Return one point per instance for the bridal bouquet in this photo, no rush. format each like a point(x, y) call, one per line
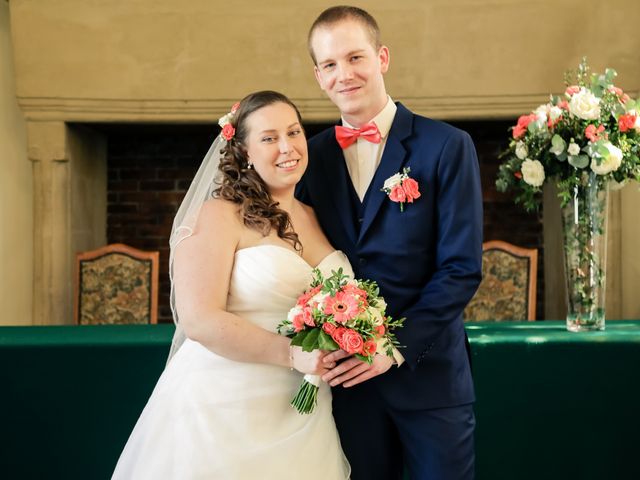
point(338, 313)
point(591, 130)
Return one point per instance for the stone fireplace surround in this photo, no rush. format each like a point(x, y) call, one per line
point(79, 65)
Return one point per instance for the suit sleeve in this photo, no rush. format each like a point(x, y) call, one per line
point(458, 251)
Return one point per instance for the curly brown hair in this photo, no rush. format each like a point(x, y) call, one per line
point(242, 185)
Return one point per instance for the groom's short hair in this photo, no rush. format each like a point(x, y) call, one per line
point(333, 15)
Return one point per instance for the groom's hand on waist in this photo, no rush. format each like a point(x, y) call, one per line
point(352, 371)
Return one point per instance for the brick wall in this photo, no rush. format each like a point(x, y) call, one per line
point(150, 168)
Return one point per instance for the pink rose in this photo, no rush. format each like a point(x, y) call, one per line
point(298, 322)
point(379, 330)
point(564, 105)
point(626, 122)
point(398, 194)
point(411, 189)
point(351, 341)
point(523, 122)
point(228, 132)
point(616, 91)
point(329, 328)
point(593, 133)
point(369, 348)
point(572, 90)
point(337, 335)
point(305, 297)
point(308, 317)
point(235, 107)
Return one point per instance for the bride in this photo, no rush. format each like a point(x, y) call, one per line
point(221, 408)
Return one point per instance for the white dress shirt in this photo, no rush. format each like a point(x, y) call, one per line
point(363, 158)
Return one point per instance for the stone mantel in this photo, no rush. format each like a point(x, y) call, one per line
point(174, 61)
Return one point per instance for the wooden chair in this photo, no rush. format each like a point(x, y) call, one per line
point(508, 287)
point(116, 284)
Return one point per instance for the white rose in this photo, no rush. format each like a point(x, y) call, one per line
point(555, 113)
point(532, 172)
point(225, 119)
point(297, 310)
point(393, 181)
point(541, 114)
point(573, 149)
point(585, 105)
point(521, 150)
point(376, 316)
point(381, 304)
point(319, 298)
point(609, 163)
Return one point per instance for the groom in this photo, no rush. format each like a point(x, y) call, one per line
point(414, 410)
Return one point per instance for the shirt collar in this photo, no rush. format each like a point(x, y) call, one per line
point(383, 120)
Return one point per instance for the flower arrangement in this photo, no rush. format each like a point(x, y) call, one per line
point(338, 313)
point(401, 188)
point(585, 140)
point(593, 127)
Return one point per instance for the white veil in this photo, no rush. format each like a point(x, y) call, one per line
point(204, 183)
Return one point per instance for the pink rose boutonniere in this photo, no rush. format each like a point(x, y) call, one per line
point(401, 188)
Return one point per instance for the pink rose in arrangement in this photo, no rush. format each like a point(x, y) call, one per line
point(351, 341)
point(337, 313)
point(572, 90)
point(305, 297)
point(523, 122)
point(593, 133)
point(626, 122)
point(329, 328)
point(369, 347)
point(235, 107)
point(298, 322)
point(337, 335)
point(411, 189)
point(307, 316)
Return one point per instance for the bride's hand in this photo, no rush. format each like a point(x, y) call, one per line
point(310, 362)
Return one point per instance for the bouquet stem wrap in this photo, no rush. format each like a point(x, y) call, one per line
point(307, 397)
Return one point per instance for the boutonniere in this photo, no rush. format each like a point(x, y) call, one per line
point(401, 188)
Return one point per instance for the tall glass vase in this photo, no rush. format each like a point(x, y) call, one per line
point(584, 220)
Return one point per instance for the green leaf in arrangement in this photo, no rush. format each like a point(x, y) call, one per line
point(310, 342)
point(558, 145)
point(325, 342)
point(299, 338)
point(579, 161)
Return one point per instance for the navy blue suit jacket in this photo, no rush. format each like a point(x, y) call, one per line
point(427, 260)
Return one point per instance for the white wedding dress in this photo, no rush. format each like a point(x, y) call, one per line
point(213, 418)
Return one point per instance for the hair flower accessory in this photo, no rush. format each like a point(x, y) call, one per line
point(401, 188)
point(228, 130)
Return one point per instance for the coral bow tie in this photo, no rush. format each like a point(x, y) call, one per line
point(346, 136)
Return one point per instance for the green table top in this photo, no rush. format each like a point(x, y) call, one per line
point(480, 333)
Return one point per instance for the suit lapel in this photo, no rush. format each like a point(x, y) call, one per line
point(337, 184)
point(393, 159)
